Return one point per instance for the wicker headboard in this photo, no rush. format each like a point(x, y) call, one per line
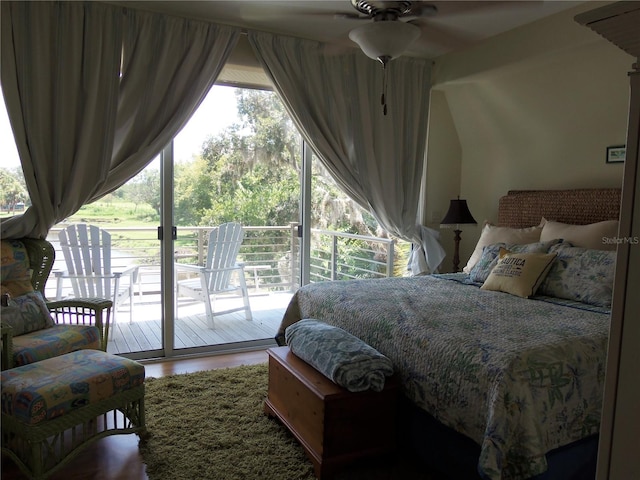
point(524, 208)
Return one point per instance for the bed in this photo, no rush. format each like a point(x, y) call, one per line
point(501, 386)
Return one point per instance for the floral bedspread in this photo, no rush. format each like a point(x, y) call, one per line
point(518, 376)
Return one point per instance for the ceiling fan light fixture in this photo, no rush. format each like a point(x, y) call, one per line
point(384, 40)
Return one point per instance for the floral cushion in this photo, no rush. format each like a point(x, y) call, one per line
point(581, 274)
point(480, 272)
point(26, 313)
point(15, 272)
point(15, 288)
point(52, 342)
point(22, 308)
point(42, 391)
point(14, 261)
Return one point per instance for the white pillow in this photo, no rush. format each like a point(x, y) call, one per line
point(597, 236)
point(492, 234)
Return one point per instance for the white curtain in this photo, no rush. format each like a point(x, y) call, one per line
point(60, 64)
point(377, 159)
point(169, 66)
point(93, 93)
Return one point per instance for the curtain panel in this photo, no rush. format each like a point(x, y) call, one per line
point(60, 64)
point(377, 159)
point(93, 93)
point(169, 65)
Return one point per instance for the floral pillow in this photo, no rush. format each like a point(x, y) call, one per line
point(490, 255)
point(22, 308)
point(14, 261)
point(26, 313)
point(14, 267)
point(581, 274)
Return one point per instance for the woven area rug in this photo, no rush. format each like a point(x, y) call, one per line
point(211, 425)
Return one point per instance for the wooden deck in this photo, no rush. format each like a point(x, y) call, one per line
point(191, 329)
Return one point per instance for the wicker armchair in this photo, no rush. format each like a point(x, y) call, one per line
point(74, 321)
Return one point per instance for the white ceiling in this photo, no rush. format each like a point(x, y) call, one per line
point(457, 24)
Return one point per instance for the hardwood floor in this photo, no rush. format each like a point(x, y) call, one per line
point(116, 457)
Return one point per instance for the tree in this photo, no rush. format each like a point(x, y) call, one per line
point(12, 190)
point(251, 171)
point(146, 189)
point(194, 193)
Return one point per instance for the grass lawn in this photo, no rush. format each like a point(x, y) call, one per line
point(110, 213)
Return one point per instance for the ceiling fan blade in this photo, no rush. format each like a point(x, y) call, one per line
point(296, 10)
point(336, 15)
point(480, 7)
point(350, 16)
point(338, 47)
point(442, 36)
point(421, 9)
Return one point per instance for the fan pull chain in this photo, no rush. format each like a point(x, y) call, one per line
point(383, 99)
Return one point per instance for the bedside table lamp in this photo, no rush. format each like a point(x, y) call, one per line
point(457, 215)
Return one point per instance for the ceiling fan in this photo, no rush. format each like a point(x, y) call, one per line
point(387, 36)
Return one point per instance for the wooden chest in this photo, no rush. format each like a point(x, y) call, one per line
point(334, 426)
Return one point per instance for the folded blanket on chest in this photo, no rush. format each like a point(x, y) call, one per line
point(338, 355)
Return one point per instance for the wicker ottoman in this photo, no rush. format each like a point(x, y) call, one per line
point(54, 408)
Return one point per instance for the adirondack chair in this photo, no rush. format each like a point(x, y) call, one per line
point(87, 254)
point(215, 277)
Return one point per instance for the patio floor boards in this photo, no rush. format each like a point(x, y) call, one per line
point(191, 327)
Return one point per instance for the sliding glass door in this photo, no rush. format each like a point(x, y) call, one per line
point(238, 160)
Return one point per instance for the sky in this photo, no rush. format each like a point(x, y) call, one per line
point(8, 150)
point(217, 111)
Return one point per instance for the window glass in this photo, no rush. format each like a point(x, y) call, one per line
point(238, 159)
point(14, 197)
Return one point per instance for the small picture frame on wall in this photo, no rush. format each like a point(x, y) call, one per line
point(616, 154)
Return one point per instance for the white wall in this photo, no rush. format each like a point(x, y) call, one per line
point(533, 108)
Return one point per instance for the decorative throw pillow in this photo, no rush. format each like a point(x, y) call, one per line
point(492, 234)
point(490, 255)
point(519, 273)
point(599, 236)
point(14, 261)
point(581, 274)
point(16, 274)
point(15, 288)
point(26, 313)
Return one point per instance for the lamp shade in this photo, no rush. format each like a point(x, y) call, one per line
point(458, 214)
point(384, 39)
